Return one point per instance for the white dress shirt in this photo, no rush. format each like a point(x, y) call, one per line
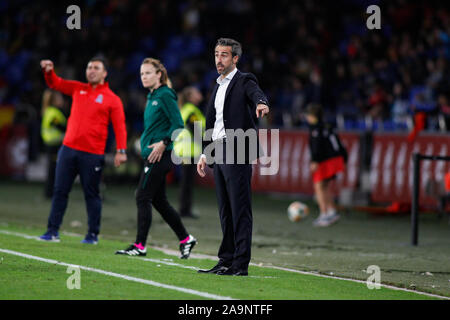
point(219, 127)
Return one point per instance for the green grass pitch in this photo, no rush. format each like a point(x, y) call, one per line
point(343, 250)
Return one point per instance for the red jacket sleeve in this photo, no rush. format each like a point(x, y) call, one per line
point(65, 86)
point(118, 122)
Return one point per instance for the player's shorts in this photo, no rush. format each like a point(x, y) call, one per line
point(447, 182)
point(328, 169)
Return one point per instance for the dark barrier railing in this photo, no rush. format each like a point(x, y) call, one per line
point(417, 157)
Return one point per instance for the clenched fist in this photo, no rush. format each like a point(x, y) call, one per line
point(47, 65)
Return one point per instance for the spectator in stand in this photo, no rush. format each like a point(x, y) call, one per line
point(400, 103)
point(444, 109)
point(378, 102)
point(411, 48)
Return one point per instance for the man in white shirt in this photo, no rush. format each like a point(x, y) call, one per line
point(219, 128)
point(236, 103)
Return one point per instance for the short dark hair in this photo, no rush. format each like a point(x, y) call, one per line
point(99, 58)
point(236, 48)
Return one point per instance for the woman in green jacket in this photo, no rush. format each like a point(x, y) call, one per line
point(161, 118)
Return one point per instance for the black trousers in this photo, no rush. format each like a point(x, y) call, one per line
point(89, 167)
point(188, 172)
point(52, 155)
point(233, 190)
point(152, 191)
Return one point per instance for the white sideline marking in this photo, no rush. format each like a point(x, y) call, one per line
point(23, 235)
point(204, 256)
point(121, 276)
point(359, 281)
point(168, 263)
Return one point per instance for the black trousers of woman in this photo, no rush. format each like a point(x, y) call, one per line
point(152, 191)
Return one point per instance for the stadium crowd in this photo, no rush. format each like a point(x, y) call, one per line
point(302, 52)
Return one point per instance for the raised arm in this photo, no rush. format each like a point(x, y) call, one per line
point(54, 82)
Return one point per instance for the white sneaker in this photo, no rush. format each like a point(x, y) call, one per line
point(328, 220)
point(318, 221)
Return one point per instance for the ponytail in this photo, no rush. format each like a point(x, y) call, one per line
point(159, 68)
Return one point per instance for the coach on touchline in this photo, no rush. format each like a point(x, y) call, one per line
point(94, 105)
point(236, 103)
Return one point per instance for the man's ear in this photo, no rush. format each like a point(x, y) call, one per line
point(235, 59)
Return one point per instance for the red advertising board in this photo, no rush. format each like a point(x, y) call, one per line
point(13, 150)
point(288, 169)
point(391, 174)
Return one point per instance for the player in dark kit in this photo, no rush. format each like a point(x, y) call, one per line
point(328, 157)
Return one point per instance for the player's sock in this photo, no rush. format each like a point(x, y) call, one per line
point(139, 246)
point(185, 240)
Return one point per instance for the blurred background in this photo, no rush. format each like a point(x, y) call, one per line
point(386, 91)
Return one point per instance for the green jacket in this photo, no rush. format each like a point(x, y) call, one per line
point(161, 118)
point(53, 126)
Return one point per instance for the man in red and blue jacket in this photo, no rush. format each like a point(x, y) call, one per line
point(94, 105)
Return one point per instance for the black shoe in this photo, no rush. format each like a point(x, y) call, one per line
point(231, 272)
point(186, 248)
point(132, 250)
point(217, 268)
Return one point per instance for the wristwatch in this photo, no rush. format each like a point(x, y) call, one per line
point(263, 102)
point(166, 141)
point(122, 151)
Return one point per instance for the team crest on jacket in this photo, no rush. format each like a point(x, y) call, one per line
point(99, 98)
point(154, 103)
